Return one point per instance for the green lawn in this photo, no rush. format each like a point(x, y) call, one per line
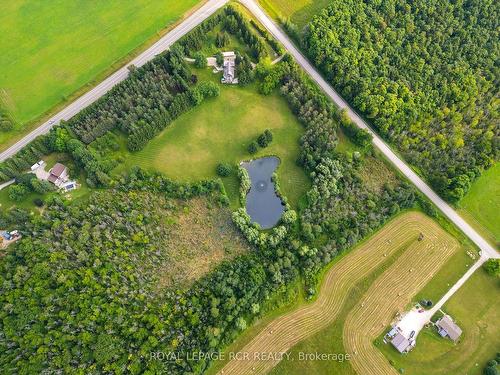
point(300, 12)
point(475, 308)
point(481, 205)
point(50, 49)
point(219, 130)
point(446, 276)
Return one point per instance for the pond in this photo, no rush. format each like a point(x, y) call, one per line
point(262, 203)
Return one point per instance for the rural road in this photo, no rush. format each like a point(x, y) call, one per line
point(487, 251)
point(101, 89)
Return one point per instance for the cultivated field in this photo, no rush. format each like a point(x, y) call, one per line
point(400, 236)
point(55, 47)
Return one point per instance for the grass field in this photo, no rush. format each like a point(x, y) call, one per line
point(219, 130)
point(481, 205)
point(475, 308)
point(300, 12)
point(398, 236)
point(51, 49)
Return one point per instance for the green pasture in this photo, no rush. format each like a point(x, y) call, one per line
point(300, 12)
point(481, 205)
point(50, 50)
point(220, 130)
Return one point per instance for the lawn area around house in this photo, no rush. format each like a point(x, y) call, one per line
point(28, 203)
point(220, 130)
point(481, 206)
point(330, 340)
point(55, 48)
point(475, 309)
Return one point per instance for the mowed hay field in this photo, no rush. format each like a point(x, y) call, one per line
point(220, 130)
point(50, 49)
point(475, 308)
point(481, 205)
point(399, 238)
point(389, 294)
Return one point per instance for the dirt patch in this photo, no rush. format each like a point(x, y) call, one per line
point(201, 237)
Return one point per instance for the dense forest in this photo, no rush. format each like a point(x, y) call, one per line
point(426, 75)
point(78, 292)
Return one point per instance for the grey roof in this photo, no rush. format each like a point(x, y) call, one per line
point(400, 342)
point(229, 70)
point(447, 325)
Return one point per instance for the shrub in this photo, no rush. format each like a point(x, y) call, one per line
point(224, 169)
point(269, 135)
point(222, 39)
point(38, 202)
point(219, 58)
point(490, 371)
point(253, 147)
point(200, 60)
point(41, 187)
point(492, 266)
point(265, 138)
point(17, 192)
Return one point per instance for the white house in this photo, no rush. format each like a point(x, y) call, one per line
point(229, 68)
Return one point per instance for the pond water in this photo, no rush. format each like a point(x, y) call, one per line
point(263, 205)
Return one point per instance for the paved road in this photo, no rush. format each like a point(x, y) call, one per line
point(91, 96)
point(487, 251)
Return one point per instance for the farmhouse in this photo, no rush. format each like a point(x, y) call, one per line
point(229, 67)
point(448, 328)
point(58, 175)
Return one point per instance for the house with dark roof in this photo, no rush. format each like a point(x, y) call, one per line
point(58, 175)
point(448, 328)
